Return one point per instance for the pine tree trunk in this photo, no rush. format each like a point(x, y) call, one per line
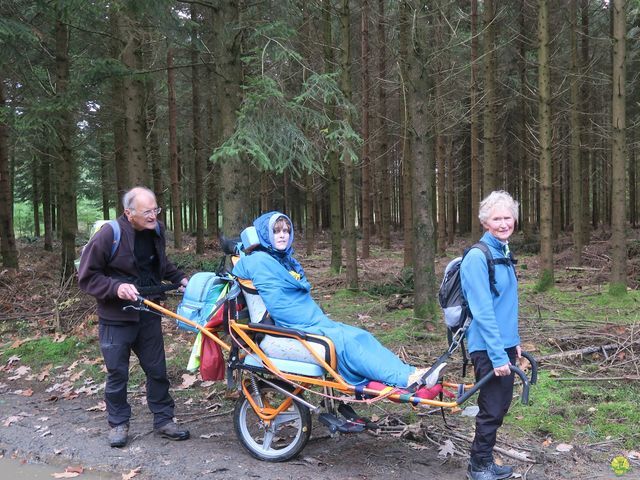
point(105, 181)
point(8, 247)
point(133, 105)
point(154, 147)
point(351, 251)
point(197, 135)
point(65, 163)
point(310, 217)
point(546, 167)
point(407, 201)
point(383, 145)
point(491, 179)
point(214, 132)
point(618, 280)
point(422, 172)
point(334, 161)
point(235, 209)
point(174, 165)
point(585, 120)
point(45, 165)
point(35, 195)
point(526, 170)
point(476, 172)
point(122, 179)
point(576, 161)
point(367, 197)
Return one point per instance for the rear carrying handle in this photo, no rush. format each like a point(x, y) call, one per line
point(478, 385)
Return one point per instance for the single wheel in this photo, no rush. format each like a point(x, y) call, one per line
point(284, 437)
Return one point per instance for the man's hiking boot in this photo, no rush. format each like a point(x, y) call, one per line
point(172, 431)
point(488, 470)
point(119, 435)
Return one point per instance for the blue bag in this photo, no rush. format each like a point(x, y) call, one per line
point(201, 299)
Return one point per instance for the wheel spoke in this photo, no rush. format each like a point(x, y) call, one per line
point(285, 417)
point(267, 439)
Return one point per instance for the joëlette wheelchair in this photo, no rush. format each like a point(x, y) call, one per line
point(275, 367)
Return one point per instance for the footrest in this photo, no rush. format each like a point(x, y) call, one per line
point(335, 424)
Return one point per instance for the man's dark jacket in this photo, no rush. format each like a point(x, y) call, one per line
point(101, 278)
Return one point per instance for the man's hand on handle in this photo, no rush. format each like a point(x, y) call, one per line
point(128, 291)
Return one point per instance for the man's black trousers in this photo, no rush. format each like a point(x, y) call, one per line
point(494, 401)
point(144, 338)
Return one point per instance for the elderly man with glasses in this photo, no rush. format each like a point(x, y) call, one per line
point(139, 261)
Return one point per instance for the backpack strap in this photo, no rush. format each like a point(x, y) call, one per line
point(115, 226)
point(491, 264)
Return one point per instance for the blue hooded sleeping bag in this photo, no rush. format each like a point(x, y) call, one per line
point(360, 356)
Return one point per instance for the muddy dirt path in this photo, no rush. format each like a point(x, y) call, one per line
point(65, 432)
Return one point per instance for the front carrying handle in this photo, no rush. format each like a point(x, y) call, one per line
point(478, 385)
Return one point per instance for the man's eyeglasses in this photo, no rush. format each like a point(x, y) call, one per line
point(152, 212)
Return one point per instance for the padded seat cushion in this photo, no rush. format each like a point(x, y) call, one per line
point(291, 349)
point(288, 366)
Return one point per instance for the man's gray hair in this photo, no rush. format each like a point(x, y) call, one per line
point(130, 195)
point(494, 199)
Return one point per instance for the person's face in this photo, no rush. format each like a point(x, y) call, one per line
point(144, 214)
point(281, 234)
point(500, 223)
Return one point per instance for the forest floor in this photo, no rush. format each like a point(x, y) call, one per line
point(583, 414)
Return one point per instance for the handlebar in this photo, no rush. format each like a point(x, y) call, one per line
point(526, 383)
point(534, 367)
point(157, 289)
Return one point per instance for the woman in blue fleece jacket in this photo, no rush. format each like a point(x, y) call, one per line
point(493, 340)
point(282, 284)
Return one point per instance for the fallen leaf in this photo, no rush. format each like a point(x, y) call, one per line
point(207, 436)
point(564, 447)
point(418, 446)
point(633, 455)
point(548, 441)
point(27, 393)
point(11, 419)
point(13, 359)
point(17, 343)
point(19, 372)
point(447, 449)
point(59, 338)
point(131, 474)
point(75, 468)
point(65, 475)
point(188, 380)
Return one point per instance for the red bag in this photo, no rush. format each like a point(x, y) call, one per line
point(211, 360)
point(212, 365)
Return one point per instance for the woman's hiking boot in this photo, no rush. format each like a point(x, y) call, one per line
point(487, 469)
point(172, 431)
point(119, 435)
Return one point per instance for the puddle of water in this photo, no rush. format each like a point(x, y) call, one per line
point(12, 469)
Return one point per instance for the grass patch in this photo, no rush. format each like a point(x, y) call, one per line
point(580, 411)
point(43, 351)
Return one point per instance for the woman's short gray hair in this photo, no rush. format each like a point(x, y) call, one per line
point(130, 195)
point(495, 199)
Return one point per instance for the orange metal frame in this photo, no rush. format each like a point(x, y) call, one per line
point(335, 380)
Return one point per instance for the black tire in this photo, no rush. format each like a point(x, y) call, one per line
point(286, 435)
